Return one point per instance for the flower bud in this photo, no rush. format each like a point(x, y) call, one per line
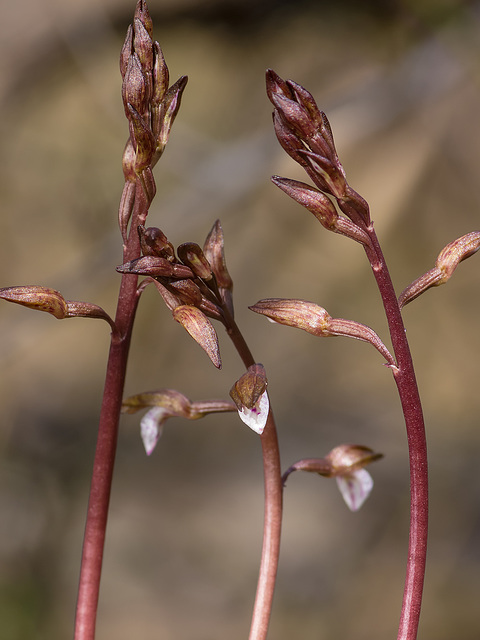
point(134, 86)
point(201, 329)
point(155, 267)
point(154, 242)
point(142, 13)
point(192, 256)
point(37, 298)
point(143, 141)
point(448, 260)
point(160, 75)
point(250, 395)
point(314, 319)
point(315, 201)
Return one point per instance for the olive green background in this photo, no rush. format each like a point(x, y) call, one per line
point(400, 84)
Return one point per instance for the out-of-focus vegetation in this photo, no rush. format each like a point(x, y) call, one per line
point(400, 84)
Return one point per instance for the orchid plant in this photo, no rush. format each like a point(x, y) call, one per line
point(196, 287)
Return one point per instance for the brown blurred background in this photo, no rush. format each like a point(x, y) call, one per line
point(399, 81)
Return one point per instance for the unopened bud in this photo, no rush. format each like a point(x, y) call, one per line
point(51, 301)
point(187, 292)
point(192, 256)
point(143, 140)
point(314, 319)
point(134, 86)
point(448, 260)
point(170, 107)
point(126, 51)
point(37, 298)
point(315, 201)
point(142, 13)
point(143, 46)
point(201, 329)
point(214, 252)
point(155, 267)
point(160, 75)
point(154, 242)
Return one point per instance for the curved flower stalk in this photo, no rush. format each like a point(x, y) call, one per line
point(305, 134)
point(346, 463)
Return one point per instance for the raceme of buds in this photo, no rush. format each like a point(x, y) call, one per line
point(164, 404)
point(150, 107)
point(52, 301)
point(448, 260)
point(305, 134)
point(201, 329)
point(314, 319)
point(250, 395)
point(346, 464)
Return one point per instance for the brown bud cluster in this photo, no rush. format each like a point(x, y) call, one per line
point(305, 134)
point(448, 260)
point(150, 107)
point(195, 286)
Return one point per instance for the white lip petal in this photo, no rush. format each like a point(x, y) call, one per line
point(151, 427)
point(355, 488)
point(256, 418)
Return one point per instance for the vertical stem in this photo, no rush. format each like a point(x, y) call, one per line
point(417, 447)
point(101, 483)
point(271, 533)
point(272, 526)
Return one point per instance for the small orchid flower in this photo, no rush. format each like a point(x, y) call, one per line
point(346, 464)
point(164, 404)
point(250, 395)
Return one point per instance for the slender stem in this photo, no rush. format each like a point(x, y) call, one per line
point(417, 447)
point(101, 483)
point(271, 532)
point(272, 526)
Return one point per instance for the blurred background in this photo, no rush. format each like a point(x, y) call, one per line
point(399, 81)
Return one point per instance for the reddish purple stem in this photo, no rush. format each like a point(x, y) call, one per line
point(417, 447)
point(101, 483)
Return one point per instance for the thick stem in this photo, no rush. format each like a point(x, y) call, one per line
point(417, 447)
point(100, 489)
point(272, 525)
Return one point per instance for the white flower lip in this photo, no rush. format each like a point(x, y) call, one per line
point(256, 418)
point(151, 427)
point(355, 488)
